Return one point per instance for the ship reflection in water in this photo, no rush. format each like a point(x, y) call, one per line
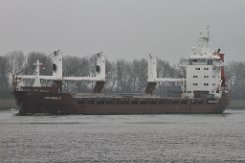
point(123, 138)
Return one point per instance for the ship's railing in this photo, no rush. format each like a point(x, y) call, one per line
point(116, 95)
point(37, 89)
point(140, 101)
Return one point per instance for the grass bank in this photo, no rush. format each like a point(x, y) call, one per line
point(237, 104)
point(7, 103)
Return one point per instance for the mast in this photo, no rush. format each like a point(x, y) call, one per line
point(37, 82)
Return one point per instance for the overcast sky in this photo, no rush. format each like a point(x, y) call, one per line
point(129, 29)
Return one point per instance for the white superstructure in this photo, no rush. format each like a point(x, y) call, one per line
point(203, 70)
point(204, 74)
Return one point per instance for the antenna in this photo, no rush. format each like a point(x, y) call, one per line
point(203, 41)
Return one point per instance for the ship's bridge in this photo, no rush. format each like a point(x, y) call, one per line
point(204, 70)
point(213, 59)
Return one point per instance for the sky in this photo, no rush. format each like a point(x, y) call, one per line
point(122, 29)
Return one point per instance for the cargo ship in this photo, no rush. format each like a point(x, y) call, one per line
point(203, 90)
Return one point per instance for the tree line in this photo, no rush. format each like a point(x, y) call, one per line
point(122, 76)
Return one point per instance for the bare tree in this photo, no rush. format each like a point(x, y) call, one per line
point(236, 79)
point(4, 71)
point(16, 61)
point(75, 66)
point(46, 69)
point(139, 75)
point(124, 81)
point(165, 70)
point(111, 77)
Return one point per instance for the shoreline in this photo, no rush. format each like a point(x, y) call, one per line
point(237, 105)
point(7, 104)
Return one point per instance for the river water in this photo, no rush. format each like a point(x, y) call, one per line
point(123, 138)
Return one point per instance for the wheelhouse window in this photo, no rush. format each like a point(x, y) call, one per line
point(210, 62)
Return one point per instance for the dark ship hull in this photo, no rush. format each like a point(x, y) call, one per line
point(31, 102)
